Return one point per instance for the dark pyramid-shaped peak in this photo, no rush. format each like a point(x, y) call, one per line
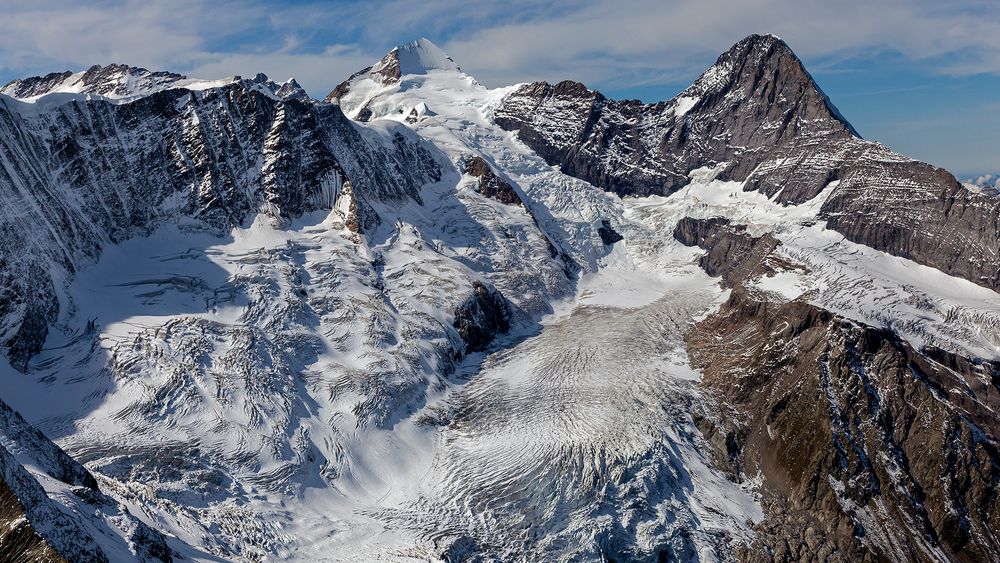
point(762, 71)
point(746, 59)
point(757, 104)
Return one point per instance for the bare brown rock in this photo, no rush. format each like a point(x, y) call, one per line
point(19, 543)
point(868, 449)
point(491, 185)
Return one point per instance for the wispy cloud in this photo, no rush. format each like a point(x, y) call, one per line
point(615, 41)
point(199, 37)
point(603, 42)
point(620, 46)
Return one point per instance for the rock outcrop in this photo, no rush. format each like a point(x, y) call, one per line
point(869, 450)
point(484, 315)
point(491, 185)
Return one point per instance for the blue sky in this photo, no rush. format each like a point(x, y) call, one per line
point(923, 77)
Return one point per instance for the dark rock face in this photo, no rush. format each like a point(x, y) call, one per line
point(607, 233)
point(698, 232)
point(759, 111)
point(732, 253)
point(19, 542)
point(481, 317)
point(123, 81)
point(922, 213)
point(869, 450)
point(90, 173)
point(36, 85)
point(491, 185)
point(756, 96)
point(112, 80)
point(33, 525)
point(102, 80)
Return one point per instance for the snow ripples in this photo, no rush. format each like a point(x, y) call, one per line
point(576, 442)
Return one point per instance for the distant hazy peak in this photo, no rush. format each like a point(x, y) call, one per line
point(125, 82)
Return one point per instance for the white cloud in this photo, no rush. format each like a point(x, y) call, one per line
point(605, 42)
point(609, 44)
point(201, 38)
point(618, 41)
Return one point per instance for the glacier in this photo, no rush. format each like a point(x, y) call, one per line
point(244, 312)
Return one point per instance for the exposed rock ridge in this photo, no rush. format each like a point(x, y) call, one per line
point(732, 253)
point(113, 80)
point(869, 450)
point(35, 85)
point(124, 82)
point(416, 57)
point(760, 113)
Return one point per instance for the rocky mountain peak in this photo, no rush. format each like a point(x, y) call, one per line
point(764, 69)
point(416, 58)
point(756, 103)
point(287, 90)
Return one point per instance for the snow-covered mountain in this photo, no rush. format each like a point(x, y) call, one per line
point(122, 83)
point(425, 319)
point(986, 183)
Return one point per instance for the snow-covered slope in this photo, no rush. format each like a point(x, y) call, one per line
point(274, 333)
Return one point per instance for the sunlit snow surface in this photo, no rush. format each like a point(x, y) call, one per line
point(279, 393)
